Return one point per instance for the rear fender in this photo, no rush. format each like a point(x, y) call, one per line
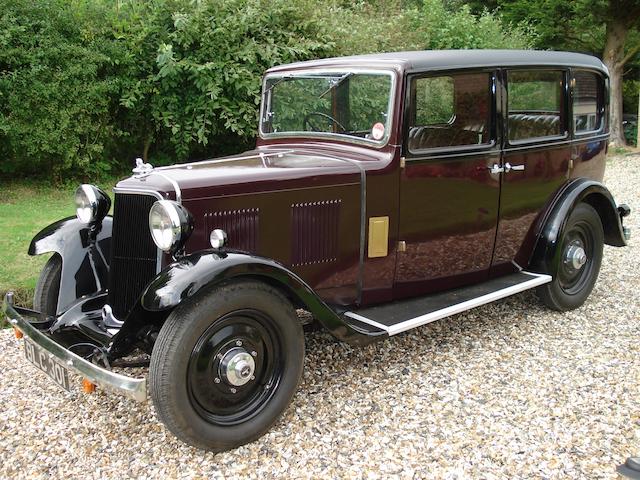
point(546, 255)
point(200, 271)
point(85, 254)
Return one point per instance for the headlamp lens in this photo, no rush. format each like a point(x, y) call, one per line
point(170, 225)
point(86, 203)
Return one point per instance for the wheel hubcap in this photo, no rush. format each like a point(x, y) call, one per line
point(576, 264)
point(575, 256)
point(237, 367)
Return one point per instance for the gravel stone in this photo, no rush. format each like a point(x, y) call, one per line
point(509, 390)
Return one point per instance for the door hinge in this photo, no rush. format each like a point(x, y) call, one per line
point(402, 246)
point(403, 162)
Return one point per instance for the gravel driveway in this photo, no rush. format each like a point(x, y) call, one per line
point(509, 390)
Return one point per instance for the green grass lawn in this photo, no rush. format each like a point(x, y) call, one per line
point(25, 209)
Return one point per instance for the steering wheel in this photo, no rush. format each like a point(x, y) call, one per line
point(310, 127)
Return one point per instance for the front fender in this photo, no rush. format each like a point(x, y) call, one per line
point(85, 267)
point(191, 274)
point(546, 255)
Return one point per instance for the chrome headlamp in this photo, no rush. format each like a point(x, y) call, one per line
point(170, 225)
point(92, 204)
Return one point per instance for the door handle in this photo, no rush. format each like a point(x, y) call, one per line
point(495, 168)
point(516, 168)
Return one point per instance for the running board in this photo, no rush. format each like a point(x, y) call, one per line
point(403, 315)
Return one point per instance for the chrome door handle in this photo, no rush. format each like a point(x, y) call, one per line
point(516, 168)
point(495, 168)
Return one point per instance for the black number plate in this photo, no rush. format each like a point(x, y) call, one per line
point(45, 362)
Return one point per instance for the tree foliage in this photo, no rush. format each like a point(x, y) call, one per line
point(609, 29)
point(87, 85)
point(56, 86)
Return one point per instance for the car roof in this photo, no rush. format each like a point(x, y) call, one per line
point(416, 61)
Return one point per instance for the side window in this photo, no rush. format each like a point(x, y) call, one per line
point(452, 110)
point(588, 98)
point(535, 100)
point(434, 101)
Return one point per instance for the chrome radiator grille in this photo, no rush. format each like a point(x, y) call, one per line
point(134, 256)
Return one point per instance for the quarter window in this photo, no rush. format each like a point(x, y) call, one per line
point(587, 102)
point(535, 101)
point(451, 110)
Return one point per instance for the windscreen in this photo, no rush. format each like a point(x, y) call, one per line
point(349, 104)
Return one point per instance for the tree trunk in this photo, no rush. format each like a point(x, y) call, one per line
point(145, 149)
point(613, 58)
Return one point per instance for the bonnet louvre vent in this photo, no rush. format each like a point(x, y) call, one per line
point(241, 227)
point(315, 232)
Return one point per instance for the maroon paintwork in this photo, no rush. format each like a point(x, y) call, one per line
point(298, 200)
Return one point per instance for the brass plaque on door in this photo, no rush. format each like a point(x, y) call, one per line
point(378, 236)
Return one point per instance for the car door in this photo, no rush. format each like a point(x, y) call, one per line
point(536, 156)
point(449, 184)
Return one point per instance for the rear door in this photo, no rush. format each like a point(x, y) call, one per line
point(537, 153)
point(448, 193)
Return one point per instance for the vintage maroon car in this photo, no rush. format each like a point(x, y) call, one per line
point(385, 192)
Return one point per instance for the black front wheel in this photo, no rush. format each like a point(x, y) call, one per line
point(45, 297)
point(577, 262)
point(226, 365)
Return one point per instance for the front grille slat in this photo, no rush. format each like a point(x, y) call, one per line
point(133, 254)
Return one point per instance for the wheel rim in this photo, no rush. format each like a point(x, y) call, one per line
point(576, 263)
point(235, 367)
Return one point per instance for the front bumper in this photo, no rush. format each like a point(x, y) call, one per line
point(135, 388)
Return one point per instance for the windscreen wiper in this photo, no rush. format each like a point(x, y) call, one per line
point(336, 84)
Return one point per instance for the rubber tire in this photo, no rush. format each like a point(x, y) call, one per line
point(552, 294)
point(45, 297)
point(175, 342)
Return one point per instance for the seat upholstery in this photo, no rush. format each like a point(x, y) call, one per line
point(433, 137)
point(524, 125)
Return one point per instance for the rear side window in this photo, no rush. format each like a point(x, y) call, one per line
point(535, 104)
point(450, 110)
point(588, 99)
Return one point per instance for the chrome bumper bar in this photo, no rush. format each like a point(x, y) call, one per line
point(135, 388)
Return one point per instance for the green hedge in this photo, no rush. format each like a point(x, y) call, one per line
point(87, 85)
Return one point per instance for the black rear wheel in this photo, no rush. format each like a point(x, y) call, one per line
point(578, 262)
point(226, 364)
point(45, 298)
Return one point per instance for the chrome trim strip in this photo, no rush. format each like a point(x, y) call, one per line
point(279, 153)
point(173, 183)
point(532, 144)
point(368, 321)
point(153, 193)
point(489, 150)
point(443, 155)
point(536, 280)
point(138, 191)
point(135, 388)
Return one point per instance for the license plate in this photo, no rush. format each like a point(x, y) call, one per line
point(45, 362)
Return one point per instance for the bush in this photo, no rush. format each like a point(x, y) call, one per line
point(392, 25)
point(56, 87)
point(442, 28)
point(87, 85)
point(207, 79)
